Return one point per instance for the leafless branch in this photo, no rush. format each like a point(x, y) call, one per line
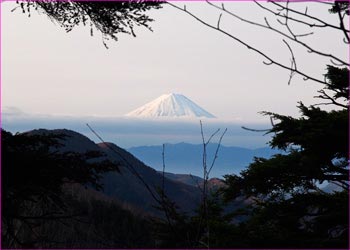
point(268, 63)
point(218, 25)
point(197, 183)
point(325, 96)
point(325, 24)
point(217, 151)
point(336, 63)
point(165, 208)
point(260, 130)
point(255, 130)
point(293, 37)
point(129, 166)
point(212, 135)
point(160, 201)
point(205, 213)
point(271, 121)
point(163, 171)
point(293, 66)
point(273, 61)
point(341, 25)
point(278, 14)
point(204, 158)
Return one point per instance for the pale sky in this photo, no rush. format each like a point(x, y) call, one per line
point(46, 70)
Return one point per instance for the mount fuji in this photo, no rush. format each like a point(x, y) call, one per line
point(170, 105)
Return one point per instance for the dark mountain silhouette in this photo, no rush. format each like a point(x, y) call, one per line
point(184, 178)
point(185, 158)
point(213, 183)
point(124, 186)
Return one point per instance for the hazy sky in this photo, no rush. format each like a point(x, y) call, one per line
point(48, 71)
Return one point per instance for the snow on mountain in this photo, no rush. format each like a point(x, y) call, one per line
point(170, 105)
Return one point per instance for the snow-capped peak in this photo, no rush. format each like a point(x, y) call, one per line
point(170, 105)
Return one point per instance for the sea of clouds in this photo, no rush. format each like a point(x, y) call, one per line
point(128, 132)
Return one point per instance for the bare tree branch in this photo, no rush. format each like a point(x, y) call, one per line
point(217, 151)
point(260, 130)
point(325, 24)
point(163, 171)
point(325, 96)
point(255, 130)
point(341, 24)
point(218, 25)
point(212, 135)
point(293, 37)
point(206, 173)
point(271, 60)
point(166, 207)
point(293, 66)
point(197, 183)
point(127, 164)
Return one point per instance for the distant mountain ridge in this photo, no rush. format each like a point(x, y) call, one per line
point(185, 158)
point(170, 105)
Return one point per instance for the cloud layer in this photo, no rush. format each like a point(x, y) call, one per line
point(128, 132)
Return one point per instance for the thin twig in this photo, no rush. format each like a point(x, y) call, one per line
point(197, 183)
point(162, 202)
point(308, 16)
point(341, 23)
point(255, 130)
point(294, 37)
point(325, 96)
point(293, 66)
point(217, 151)
point(205, 212)
point(307, 77)
point(163, 171)
point(218, 25)
point(212, 135)
point(128, 165)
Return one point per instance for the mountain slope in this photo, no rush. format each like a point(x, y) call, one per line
point(170, 105)
point(213, 183)
point(125, 187)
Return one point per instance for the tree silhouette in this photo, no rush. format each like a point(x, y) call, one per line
point(108, 17)
point(290, 209)
point(34, 173)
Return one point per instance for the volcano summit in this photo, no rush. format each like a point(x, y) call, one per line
point(170, 105)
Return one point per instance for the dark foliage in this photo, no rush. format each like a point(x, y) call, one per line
point(33, 174)
point(340, 6)
point(338, 81)
point(290, 209)
point(109, 17)
point(191, 231)
point(311, 220)
point(102, 223)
